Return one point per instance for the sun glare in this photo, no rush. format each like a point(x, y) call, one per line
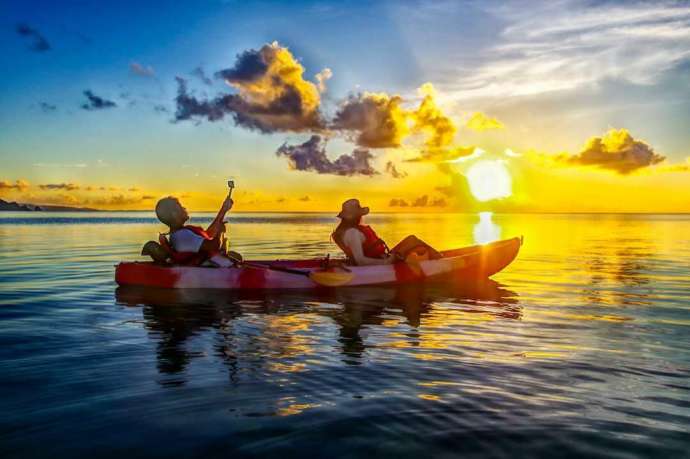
point(486, 230)
point(489, 180)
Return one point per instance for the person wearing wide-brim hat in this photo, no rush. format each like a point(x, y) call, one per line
point(363, 246)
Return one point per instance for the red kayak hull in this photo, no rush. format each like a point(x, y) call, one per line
point(464, 264)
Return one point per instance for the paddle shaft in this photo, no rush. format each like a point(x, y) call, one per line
point(299, 272)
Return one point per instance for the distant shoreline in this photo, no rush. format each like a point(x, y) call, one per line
point(7, 206)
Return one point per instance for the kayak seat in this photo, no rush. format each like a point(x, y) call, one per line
point(180, 258)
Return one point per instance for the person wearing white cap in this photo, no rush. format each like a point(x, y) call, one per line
point(363, 246)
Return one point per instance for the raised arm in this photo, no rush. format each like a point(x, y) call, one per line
point(217, 227)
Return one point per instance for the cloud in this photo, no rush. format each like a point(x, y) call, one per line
point(38, 41)
point(96, 103)
point(421, 201)
point(133, 190)
point(443, 155)
point(201, 75)
point(476, 154)
point(61, 165)
point(160, 108)
point(141, 70)
point(119, 200)
point(311, 156)
point(59, 186)
point(46, 107)
point(59, 199)
point(424, 201)
point(617, 150)
point(393, 171)
point(305, 199)
point(272, 94)
point(321, 78)
point(682, 167)
point(458, 190)
point(510, 153)
point(379, 120)
point(58, 196)
point(430, 119)
point(19, 185)
point(376, 120)
point(565, 45)
point(480, 122)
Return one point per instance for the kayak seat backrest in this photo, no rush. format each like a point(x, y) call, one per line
point(180, 258)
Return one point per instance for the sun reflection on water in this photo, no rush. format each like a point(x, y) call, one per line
point(486, 230)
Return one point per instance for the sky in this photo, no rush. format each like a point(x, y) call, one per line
point(560, 106)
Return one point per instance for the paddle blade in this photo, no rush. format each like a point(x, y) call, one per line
point(331, 278)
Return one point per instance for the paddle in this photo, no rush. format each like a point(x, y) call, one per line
point(325, 278)
point(321, 277)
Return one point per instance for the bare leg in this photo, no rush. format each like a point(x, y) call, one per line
point(411, 243)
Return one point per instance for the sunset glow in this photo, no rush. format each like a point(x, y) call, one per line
point(489, 180)
point(306, 119)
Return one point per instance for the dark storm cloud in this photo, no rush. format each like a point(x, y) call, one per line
point(96, 103)
point(38, 41)
point(311, 156)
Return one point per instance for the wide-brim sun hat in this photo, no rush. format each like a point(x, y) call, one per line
point(352, 209)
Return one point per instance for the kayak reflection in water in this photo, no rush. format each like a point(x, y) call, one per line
point(363, 247)
point(252, 332)
point(188, 244)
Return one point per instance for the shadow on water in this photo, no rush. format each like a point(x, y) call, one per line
point(174, 316)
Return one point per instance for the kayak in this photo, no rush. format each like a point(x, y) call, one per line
point(458, 265)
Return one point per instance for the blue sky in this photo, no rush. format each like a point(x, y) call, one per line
point(554, 73)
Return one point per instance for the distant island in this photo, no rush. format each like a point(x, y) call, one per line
point(18, 207)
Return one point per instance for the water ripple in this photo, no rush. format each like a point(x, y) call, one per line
point(580, 348)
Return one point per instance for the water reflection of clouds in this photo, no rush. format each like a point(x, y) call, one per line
point(619, 273)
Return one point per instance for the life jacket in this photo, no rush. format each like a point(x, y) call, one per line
point(186, 258)
point(372, 247)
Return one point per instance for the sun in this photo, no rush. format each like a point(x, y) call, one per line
point(489, 179)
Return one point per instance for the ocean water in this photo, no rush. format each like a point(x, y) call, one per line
point(580, 348)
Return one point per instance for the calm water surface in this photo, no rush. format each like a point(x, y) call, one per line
point(580, 348)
